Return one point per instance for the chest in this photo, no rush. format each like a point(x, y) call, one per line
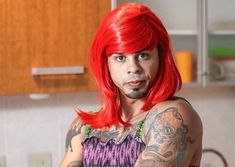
point(113, 147)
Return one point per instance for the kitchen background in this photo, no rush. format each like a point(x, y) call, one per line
point(32, 35)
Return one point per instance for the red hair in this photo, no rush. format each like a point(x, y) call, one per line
point(127, 29)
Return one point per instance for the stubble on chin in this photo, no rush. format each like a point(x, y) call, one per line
point(136, 93)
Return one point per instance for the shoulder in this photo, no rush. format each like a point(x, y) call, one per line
point(174, 128)
point(184, 111)
point(74, 138)
point(175, 112)
point(75, 132)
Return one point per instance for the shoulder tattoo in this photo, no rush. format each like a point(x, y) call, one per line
point(74, 130)
point(166, 139)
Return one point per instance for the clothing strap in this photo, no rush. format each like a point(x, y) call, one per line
point(177, 97)
point(139, 131)
point(87, 131)
point(87, 127)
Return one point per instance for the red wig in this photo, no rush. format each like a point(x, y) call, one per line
point(127, 29)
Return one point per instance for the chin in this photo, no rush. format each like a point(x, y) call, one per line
point(136, 94)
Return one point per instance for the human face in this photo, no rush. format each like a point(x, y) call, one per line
point(134, 73)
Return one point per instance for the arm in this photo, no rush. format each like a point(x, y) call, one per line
point(74, 150)
point(172, 137)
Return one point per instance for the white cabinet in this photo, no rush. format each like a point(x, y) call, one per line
point(199, 26)
point(221, 40)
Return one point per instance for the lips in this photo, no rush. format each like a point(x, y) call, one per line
point(136, 83)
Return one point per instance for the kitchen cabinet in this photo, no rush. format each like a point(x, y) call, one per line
point(198, 26)
point(221, 40)
point(41, 35)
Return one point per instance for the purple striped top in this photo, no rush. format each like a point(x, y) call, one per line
point(111, 153)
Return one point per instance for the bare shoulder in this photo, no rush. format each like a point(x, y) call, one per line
point(73, 146)
point(74, 132)
point(176, 114)
point(184, 111)
point(173, 135)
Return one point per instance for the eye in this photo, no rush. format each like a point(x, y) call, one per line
point(168, 130)
point(143, 56)
point(120, 58)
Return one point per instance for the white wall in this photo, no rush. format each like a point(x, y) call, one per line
point(32, 126)
point(216, 107)
point(38, 126)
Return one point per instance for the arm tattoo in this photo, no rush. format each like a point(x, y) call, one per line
point(166, 139)
point(75, 164)
point(73, 131)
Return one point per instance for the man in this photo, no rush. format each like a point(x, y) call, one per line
point(142, 123)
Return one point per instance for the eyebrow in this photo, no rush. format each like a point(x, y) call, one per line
point(143, 51)
point(136, 53)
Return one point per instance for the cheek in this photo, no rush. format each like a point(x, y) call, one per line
point(115, 74)
point(153, 70)
point(116, 78)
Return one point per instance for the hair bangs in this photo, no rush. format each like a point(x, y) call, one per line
point(132, 36)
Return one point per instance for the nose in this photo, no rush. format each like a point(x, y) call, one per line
point(134, 66)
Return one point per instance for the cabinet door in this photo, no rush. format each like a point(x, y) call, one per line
point(181, 21)
point(42, 34)
point(221, 42)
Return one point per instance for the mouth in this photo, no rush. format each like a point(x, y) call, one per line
point(135, 84)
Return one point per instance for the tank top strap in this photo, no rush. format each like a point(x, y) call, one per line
point(87, 131)
point(140, 128)
point(178, 97)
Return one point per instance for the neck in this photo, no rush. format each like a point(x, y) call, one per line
point(131, 107)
